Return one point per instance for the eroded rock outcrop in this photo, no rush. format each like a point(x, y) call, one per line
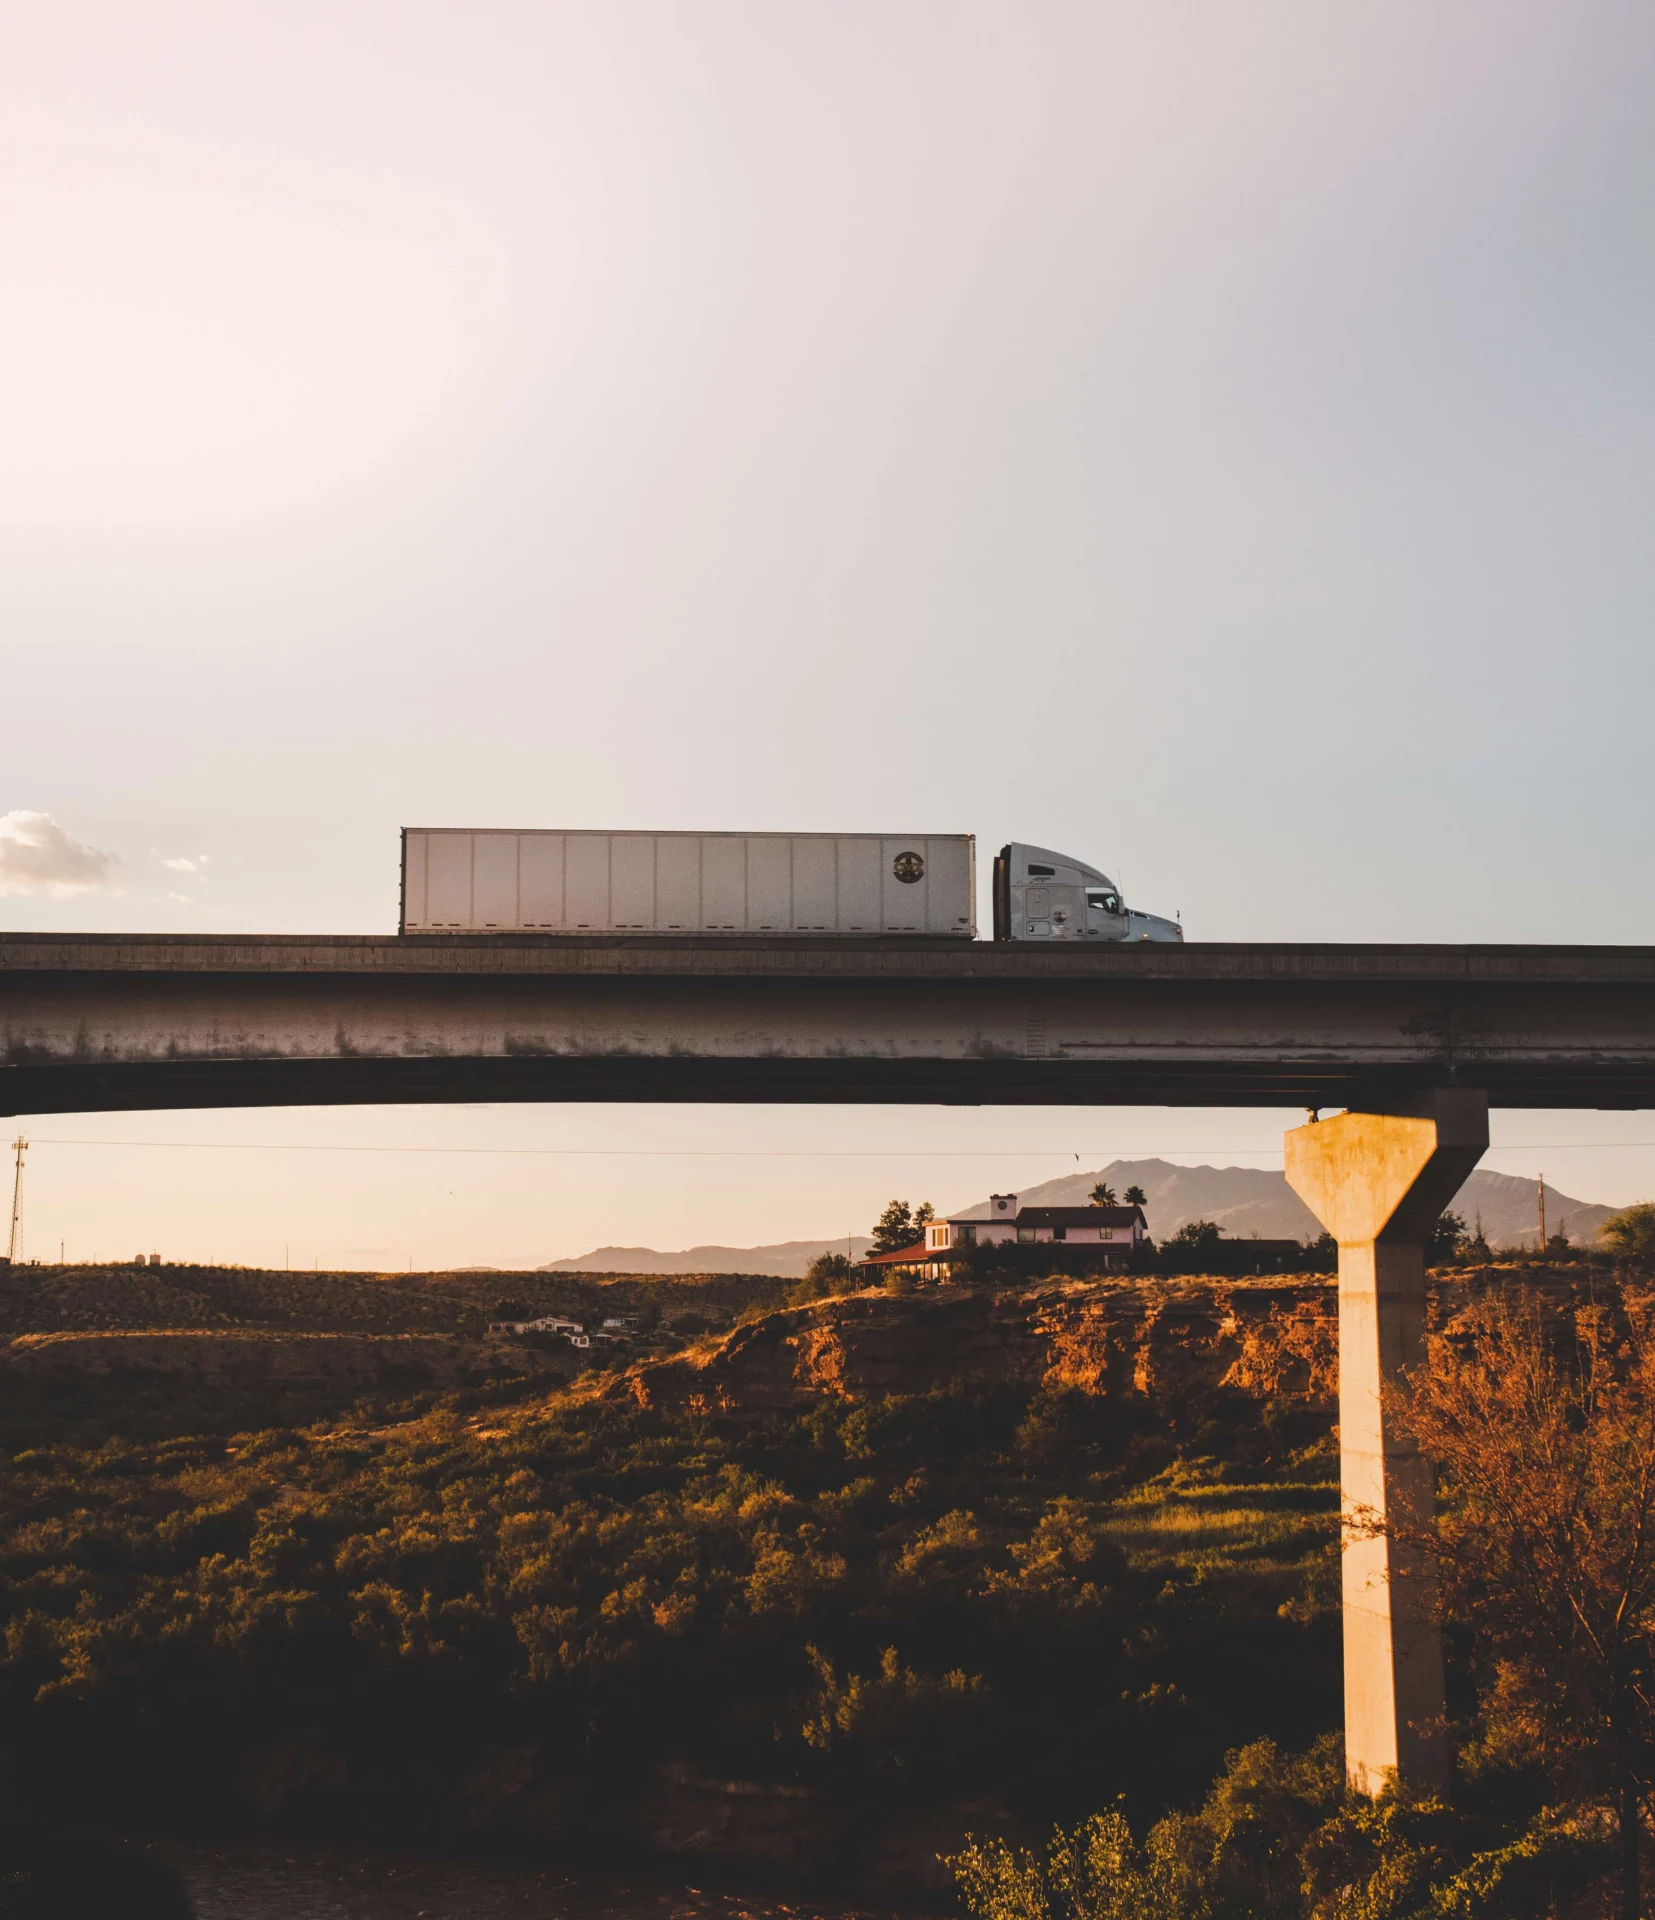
point(1149, 1340)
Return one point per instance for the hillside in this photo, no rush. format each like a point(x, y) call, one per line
point(89, 1353)
point(63, 1299)
point(807, 1600)
point(1147, 1341)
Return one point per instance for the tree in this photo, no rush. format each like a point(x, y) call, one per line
point(924, 1214)
point(828, 1273)
point(1103, 1195)
point(1197, 1247)
point(1136, 1197)
point(1448, 1236)
point(1631, 1232)
point(895, 1228)
point(1546, 1543)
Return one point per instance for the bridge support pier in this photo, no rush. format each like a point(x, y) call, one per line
point(1377, 1182)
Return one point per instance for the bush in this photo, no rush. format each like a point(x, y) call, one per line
point(1279, 1838)
point(827, 1274)
point(336, 1626)
point(1631, 1233)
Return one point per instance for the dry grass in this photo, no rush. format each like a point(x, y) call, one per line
point(1194, 1519)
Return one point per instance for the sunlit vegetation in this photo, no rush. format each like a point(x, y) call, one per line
point(501, 1616)
point(132, 1403)
point(44, 1299)
point(1538, 1409)
point(1187, 1521)
point(508, 1616)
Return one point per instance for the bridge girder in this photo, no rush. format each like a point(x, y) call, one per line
point(107, 1022)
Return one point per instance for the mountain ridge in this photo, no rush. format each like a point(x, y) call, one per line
point(1245, 1202)
point(784, 1259)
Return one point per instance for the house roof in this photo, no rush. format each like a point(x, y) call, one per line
point(897, 1256)
point(1060, 1217)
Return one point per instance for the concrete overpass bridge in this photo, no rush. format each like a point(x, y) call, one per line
point(100, 1022)
point(1416, 1041)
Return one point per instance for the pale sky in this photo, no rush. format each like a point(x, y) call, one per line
point(1212, 439)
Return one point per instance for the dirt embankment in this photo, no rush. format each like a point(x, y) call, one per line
point(1151, 1340)
point(1156, 1341)
point(1147, 1338)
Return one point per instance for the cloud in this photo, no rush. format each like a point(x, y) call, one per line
point(182, 863)
point(37, 856)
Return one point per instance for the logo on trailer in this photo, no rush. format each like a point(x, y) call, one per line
point(908, 867)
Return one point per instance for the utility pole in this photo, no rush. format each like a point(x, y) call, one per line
point(14, 1244)
point(1542, 1213)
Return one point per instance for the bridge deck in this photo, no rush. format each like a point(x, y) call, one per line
point(742, 956)
point(102, 1021)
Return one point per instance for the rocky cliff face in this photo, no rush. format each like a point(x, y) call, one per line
point(1158, 1343)
point(1149, 1340)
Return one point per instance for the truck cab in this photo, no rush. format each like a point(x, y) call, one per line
point(1042, 895)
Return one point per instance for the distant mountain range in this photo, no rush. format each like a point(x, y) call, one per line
point(1243, 1201)
point(1252, 1200)
point(787, 1259)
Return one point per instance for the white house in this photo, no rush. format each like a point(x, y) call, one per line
point(1106, 1229)
point(571, 1330)
point(1117, 1228)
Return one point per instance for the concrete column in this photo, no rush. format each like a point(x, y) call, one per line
point(1377, 1182)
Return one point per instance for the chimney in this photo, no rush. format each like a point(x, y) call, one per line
point(1003, 1203)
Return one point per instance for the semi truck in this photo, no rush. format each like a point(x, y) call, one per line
point(466, 880)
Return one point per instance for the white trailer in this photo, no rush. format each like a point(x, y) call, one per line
point(492, 881)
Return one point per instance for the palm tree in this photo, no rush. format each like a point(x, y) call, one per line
point(1136, 1197)
point(1103, 1195)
